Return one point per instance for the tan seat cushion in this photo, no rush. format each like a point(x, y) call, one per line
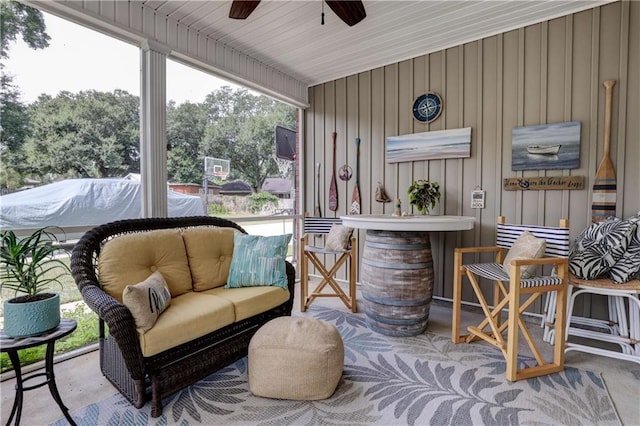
point(250, 301)
point(209, 251)
point(295, 358)
point(130, 259)
point(190, 316)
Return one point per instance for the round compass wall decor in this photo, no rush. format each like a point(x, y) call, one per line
point(427, 107)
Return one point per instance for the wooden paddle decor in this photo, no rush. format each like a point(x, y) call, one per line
point(603, 201)
point(355, 198)
point(333, 188)
point(318, 212)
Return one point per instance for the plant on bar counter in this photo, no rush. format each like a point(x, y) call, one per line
point(424, 195)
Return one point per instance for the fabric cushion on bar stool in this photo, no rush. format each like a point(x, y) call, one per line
point(295, 358)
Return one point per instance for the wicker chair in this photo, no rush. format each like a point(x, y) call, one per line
point(121, 359)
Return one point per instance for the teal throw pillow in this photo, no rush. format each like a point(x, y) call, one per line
point(258, 261)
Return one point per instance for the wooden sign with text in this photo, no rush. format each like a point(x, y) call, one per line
point(543, 183)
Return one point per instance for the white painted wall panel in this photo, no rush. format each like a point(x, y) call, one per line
point(108, 9)
point(135, 18)
point(149, 22)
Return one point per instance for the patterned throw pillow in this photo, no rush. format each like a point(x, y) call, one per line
point(338, 237)
point(258, 261)
point(147, 300)
point(628, 266)
point(526, 246)
point(599, 247)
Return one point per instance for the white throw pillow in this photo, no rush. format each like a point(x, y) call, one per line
point(147, 300)
point(526, 246)
point(338, 237)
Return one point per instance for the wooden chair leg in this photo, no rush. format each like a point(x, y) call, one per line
point(496, 314)
point(495, 336)
point(304, 275)
point(512, 325)
point(352, 275)
point(457, 297)
point(328, 278)
point(559, 328)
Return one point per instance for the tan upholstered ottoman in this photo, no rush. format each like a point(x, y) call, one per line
point(295, 358)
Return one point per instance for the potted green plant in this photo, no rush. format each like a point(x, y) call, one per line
point(29, 266)
point(424, 195)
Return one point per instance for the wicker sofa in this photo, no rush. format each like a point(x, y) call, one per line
point(139, 364)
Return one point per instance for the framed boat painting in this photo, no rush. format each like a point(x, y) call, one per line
point(546, 146)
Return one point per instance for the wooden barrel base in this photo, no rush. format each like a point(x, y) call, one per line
point(414, 320)
point(397, 281)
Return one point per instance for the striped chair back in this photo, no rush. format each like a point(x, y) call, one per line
point(557, 237)
point(320, 225)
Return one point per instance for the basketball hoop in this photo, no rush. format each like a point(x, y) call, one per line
point(283, 165)
point(218, 167)
point(221, 174)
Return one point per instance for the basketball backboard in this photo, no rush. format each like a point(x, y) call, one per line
point(216, 167)
point(285, 143)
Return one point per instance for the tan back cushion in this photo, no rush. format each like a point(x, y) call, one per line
point(209, 251)
point(130, 259)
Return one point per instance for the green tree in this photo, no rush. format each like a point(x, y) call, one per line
point(16, 19)
point(19, 19)
point(14, 129)
point(186, 124)
point(88, 134)
point(241, 129)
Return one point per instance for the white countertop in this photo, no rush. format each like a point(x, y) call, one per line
point(383, 222)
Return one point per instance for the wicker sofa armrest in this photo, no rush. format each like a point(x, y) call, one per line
point(291, 284)
point(122, 327)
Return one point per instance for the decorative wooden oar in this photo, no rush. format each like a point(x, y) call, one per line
point(355, 198)
point(603, 202)
point(318, 212)
point(333, 188)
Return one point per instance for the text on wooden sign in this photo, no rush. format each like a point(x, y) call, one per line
point(543, 183)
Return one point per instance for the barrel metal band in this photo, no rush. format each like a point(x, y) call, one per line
point(417, 246)
point(391, 321)
point(405, 266)
point(390, 302)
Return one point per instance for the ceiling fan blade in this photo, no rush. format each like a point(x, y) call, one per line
point(241, 9)
point(350, 11)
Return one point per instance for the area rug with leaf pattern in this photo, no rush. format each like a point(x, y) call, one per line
point(422, 380)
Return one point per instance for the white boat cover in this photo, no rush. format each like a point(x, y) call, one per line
point(85, 202)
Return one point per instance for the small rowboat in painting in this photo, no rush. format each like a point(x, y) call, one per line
point(543, 150)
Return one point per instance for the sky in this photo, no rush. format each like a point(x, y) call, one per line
point(82, 59)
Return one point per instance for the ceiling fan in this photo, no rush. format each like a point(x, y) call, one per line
point(350, 11)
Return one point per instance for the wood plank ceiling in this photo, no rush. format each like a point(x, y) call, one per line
point(288, 35)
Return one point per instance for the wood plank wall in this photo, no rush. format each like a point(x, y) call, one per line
point(545, 73)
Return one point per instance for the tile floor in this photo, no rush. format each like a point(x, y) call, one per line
point(80, 381)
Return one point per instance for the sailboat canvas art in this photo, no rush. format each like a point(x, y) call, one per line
point(546, 146)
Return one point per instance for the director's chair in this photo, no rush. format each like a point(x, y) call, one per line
point(342, 256)
point(507, 291)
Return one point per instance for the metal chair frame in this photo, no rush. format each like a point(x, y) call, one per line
point(507, 291)
point(622, 327)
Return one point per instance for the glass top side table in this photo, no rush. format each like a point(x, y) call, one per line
point(13, 345)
